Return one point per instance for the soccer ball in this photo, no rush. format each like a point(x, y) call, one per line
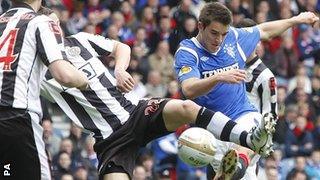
point(196, 147)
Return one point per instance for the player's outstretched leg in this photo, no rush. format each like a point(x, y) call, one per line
point(261, 137)
point(178, 112)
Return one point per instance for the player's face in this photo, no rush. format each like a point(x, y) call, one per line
point(213, 35)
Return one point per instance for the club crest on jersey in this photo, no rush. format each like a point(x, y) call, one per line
point(229, 49)
point(73, 51)
point(184, 70)
point(152, 106)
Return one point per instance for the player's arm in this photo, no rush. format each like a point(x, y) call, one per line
point(50, 47)
point(186, 68)
point(275, 28)
point(195, 87)
point(120, 52)
point(67, 75)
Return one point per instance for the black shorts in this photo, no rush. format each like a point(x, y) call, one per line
point(119, 151)
point(18, 152)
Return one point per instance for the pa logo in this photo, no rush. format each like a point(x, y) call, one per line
point(6, 170)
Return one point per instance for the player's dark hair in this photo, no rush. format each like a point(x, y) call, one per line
point(246, 22)
point(215, 12)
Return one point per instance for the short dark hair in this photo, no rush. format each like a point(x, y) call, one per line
point(246, 22)
point(215, 12)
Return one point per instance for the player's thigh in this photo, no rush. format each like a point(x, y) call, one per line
point(179, 112)
point(19, 152)
point(116, 176)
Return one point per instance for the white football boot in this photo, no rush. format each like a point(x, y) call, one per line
point(261, 136)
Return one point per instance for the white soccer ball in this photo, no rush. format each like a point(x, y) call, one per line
point(196, 147)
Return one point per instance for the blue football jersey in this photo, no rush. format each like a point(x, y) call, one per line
point(193, 60)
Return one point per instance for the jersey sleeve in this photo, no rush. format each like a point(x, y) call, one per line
point(49, 41)
point(44, 91)
point(103, 46)
point(186, 64)
point(247, 39)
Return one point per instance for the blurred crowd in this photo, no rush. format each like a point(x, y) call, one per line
point(153, 30)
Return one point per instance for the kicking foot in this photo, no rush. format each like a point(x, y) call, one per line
point(261, 137)
point(228, 165)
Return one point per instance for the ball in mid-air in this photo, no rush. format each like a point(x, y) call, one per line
point(196, 147)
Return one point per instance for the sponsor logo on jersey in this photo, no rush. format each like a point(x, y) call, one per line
point(204, 58)
point(184, 70)
point(88, 70)
point(206, 74)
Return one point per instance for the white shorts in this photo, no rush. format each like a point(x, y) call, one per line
point(247, 121)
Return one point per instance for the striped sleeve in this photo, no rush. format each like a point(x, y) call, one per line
point(103, 46)
point(49, 41)
point(269, 94)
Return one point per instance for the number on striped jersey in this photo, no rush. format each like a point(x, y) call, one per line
point(6, 50)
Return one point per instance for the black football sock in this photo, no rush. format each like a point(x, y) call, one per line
point(222, 127)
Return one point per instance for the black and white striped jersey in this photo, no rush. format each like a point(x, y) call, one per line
point(102, 109)
point(28, 43)
point(261, 86)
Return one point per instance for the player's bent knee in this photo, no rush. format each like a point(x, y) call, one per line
point(190, 107)
point(177, 113)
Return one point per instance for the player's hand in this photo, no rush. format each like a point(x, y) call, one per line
point(232, 76)
point(307, 18)
point(125, 81)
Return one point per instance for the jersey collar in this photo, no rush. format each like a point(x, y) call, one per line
point(197, 43)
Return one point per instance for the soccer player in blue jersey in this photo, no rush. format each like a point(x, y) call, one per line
point(120, 125)
point(208, 66)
